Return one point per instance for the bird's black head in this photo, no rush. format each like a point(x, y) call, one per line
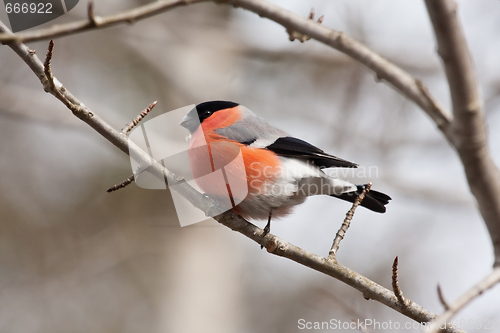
point(206, 109)
point(202, 111)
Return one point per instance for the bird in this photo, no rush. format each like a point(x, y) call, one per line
point(278, 172)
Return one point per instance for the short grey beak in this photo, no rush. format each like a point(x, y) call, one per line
point(189, 123)
point(185, 121)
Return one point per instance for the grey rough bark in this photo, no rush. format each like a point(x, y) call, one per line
point(467, 132)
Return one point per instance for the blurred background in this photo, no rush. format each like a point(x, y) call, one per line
point(74, 258)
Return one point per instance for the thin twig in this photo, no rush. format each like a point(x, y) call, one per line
point(137, 119)
point(128, 16)
point(125, 131)
point(347, 222)
point(441, 298)
point(46, 65)
point(311, 14)
point(123, 184)
point(52, 85)
point(143, 167)
point(90, 13)
point(295, 35)
point(395, 285)
point(488, 282)
point(441, 122)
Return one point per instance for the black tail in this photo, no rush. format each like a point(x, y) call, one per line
point(373, 200)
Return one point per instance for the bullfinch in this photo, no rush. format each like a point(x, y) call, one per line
point(278, 171)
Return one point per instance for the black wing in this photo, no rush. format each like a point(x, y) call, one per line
point(293, 147)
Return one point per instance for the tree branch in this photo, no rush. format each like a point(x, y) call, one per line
point(97, 22)
point(370, 289)
point(273, 244)
point(117, 138)
point(138, 119)
point(395, 285)
point(123, 184)
point(409, 86)
point(347, 222)
point(441, 298)
point(468, 133)
point(487, 283)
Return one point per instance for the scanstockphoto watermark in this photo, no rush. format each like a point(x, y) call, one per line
point(312, 184)
point(369, 172)
point(373, 324)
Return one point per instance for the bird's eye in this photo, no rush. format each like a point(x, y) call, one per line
point(207, 113)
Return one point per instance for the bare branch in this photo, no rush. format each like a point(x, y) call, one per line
point(395, 285)
point(275, 245)
point(384, 69)
point(52, 85)
point(129, 16)
point(46, 65)
point(441, 298)
point(453, 49)
point(468, 132)
point(295, 35)
point(487, 283)
point(370, 289)
point(347, 222)
point(125, 131)
point(117, 138)
point(138, 119)
point(95, 21)
point(311, 14)
point(123, 184)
